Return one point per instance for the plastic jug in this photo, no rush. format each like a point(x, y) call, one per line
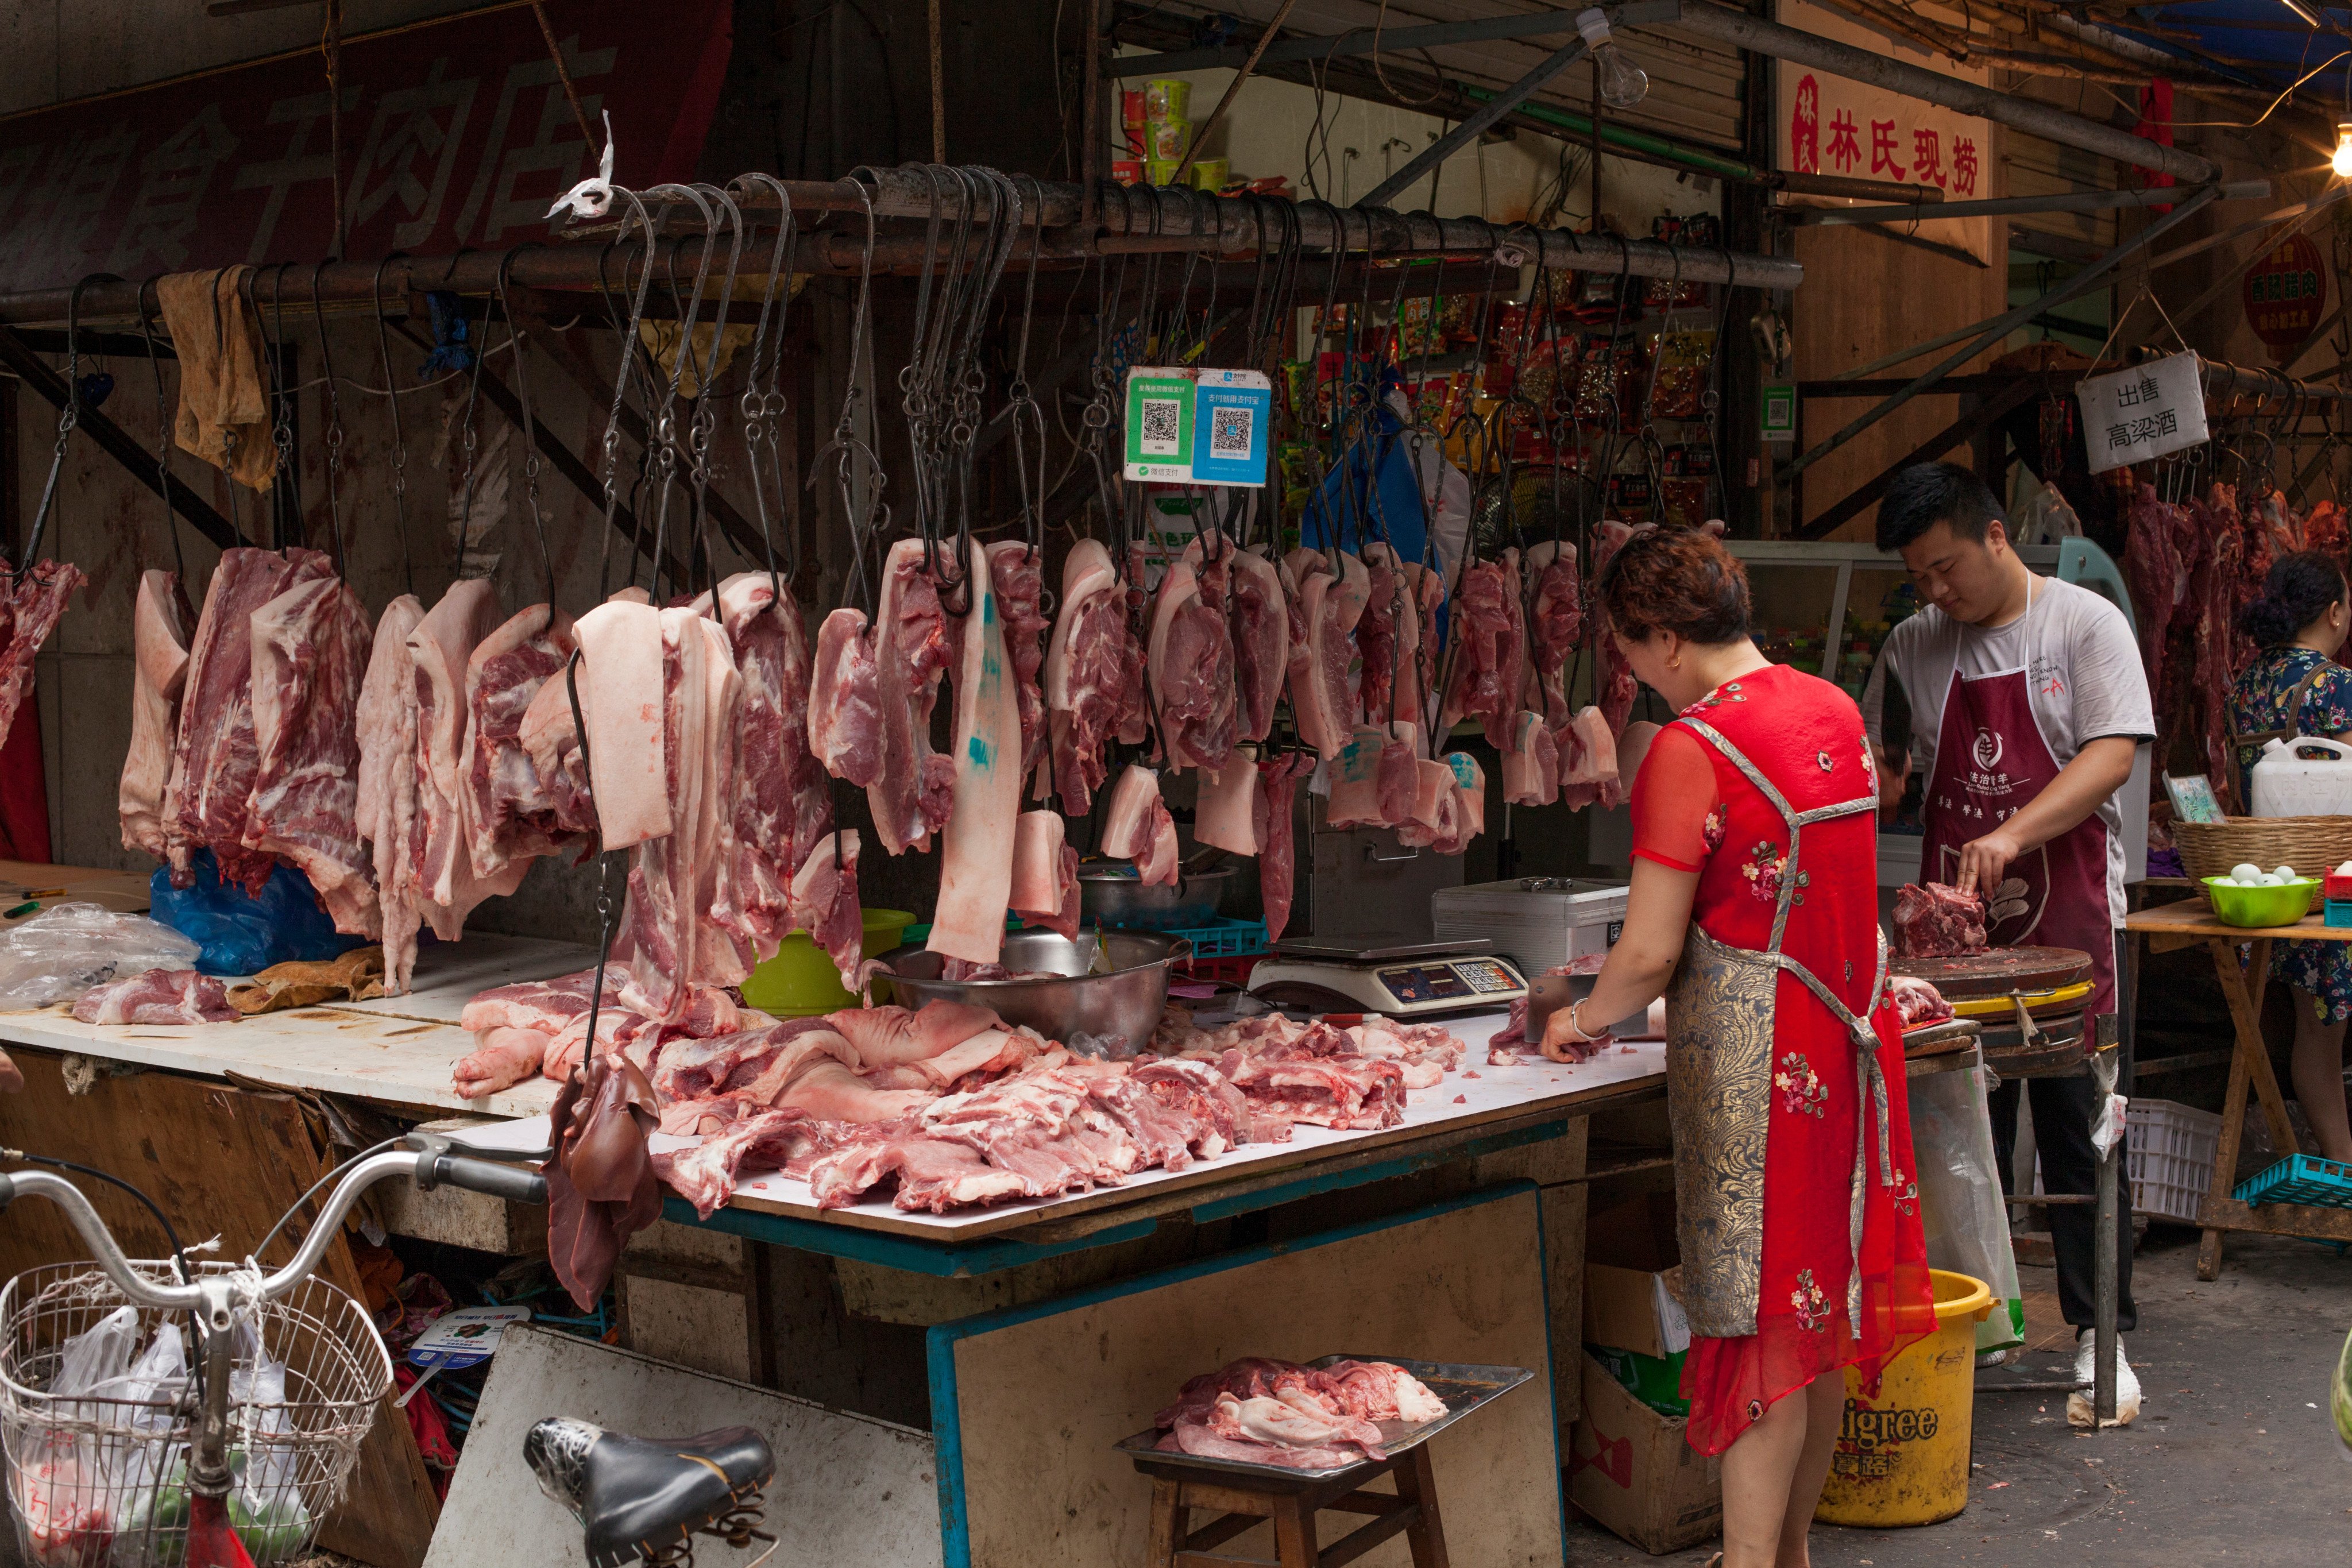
point(2307, 776)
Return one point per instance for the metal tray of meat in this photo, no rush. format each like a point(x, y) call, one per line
point(1464, 1387)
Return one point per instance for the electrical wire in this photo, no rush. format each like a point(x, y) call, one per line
point(303, 1202)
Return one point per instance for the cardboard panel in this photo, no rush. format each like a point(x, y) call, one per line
point(1041, 1393)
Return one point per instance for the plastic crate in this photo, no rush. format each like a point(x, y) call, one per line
point(1223, 939)
point(2299, 1179)
point(2168, 1157)
point(2338, 912)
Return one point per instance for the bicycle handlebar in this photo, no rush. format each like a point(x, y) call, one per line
point(427, 1160)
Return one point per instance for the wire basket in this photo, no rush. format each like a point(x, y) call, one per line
point(2314, 846)
point(101, 1482)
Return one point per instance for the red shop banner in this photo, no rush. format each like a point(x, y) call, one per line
point(456, 132)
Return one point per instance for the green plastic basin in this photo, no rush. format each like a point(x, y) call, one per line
point(800, 982)
point(2256, 907)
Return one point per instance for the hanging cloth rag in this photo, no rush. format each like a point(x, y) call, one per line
point(661, 338)
point(224, 391)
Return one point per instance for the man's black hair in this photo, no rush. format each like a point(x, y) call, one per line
point(1926, 494)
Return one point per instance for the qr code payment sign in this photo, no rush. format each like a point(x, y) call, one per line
point(1162, 432)
point(1229, 431)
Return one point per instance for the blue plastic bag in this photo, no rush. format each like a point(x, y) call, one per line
point(241, 934)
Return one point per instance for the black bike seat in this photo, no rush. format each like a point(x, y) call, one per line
point(643, 1497)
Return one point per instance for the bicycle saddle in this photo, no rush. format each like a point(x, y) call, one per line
point(647, 1497)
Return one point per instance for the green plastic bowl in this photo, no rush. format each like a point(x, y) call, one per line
point(2256, 907)
point(800, 982)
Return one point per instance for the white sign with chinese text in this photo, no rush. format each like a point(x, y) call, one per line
point(1830, 125)
point(2145, 412)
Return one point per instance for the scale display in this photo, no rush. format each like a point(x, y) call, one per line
point(1447, 982)
point(1325, 979)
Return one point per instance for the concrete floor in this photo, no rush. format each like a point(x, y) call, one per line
point(2233, 1459)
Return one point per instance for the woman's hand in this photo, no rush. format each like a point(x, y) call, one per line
point(1562, 1037)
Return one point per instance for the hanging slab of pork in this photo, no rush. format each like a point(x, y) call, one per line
point(1225, 814)
point(976, 859)
point(623, 688)
point(1138, 827)
point(512, 813)
point(782, 806)
point(1277, 779)
point(824, 902)
point(215, 760)
point(1260, 619)
point(160, 622)
point(1017, 574)
point(309, 655)
point(1045, 873)
point(1531, 768)
point(1555, 620)
point(441, 645)
point(844, 719)
point(916, 791)
point(385, 804)
point(1190, 661)
point(1085, 673)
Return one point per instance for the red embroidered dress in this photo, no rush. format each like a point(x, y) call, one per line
point(1696, 809)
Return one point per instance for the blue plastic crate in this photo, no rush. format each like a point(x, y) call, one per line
point(2299, 1179)
point(1224, 937)
point(2339, 912)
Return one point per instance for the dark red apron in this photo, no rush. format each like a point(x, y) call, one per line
point(1990, 762)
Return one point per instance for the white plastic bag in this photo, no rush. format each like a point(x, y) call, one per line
point(65, 950)
point(1961, 1209)
point(63, 1479)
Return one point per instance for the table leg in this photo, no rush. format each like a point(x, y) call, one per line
point(2247, 1045)
point(2243, 993)
point(1416, 1480)
point(1294, 1534)
point(1169, 1521)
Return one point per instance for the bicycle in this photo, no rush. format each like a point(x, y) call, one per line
point(233, 1461)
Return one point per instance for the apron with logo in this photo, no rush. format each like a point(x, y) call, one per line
point(1991, 763)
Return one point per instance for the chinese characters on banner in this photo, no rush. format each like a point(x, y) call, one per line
point(1830, 125)
point(2287, 295)
point(456, 132)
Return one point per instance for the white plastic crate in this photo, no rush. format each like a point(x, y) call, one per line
point(2170, 1158)
point(2168, 1154)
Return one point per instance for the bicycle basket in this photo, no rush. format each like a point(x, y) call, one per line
point(97, 1481)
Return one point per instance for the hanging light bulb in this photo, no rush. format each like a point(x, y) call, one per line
point(1624, 84)
point(2342, 161)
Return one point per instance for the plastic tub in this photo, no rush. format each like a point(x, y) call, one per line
point(1901, 1457)
point(2258, 907)
point(800, 982)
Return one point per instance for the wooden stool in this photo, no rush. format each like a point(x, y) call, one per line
point(1245, 1500)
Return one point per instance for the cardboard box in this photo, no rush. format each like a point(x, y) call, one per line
point(1633, 1279)
point(1632, 1470)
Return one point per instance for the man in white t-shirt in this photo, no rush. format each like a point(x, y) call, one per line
point(2028, 702)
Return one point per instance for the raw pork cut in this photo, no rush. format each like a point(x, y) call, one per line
point(1483, 658)
point(782, 807)
point(1555, 621)
point(1261, 628)
point(1016, 573)
point(510, 812)
point(1138, 829)
point(33, 605)
point(157, 996)
point(309, 655)
point(159, 665)
point(1937, 921)
point(547, 1005)
point(1225, 816)
point(844, 718)
point(1191, 658)
point(624, 684)
point(916, 789)
point(1613, 676)
point(1917, 1001)
point(441, 848)
point(1085, 674)
point(1376, 629)
point(976, 857)
point(1045, 873)
point(384, 803)
point(1531, 767)
point(215, 760)
point(825, 901)
point(1277, 785)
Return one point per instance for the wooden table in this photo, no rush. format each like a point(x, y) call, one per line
point(2177, 926)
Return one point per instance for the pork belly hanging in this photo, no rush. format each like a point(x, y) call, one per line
point(976, 859)
point(159, 647)
point(215, 759)
point(385, 803)
point(308, 660)
point(782, 808)
point(1085, 674)
point(916, 791)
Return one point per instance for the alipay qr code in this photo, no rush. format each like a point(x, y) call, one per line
point(1229, 431)
point(1163, 426)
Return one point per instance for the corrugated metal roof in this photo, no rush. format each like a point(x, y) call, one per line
point(1695, 86)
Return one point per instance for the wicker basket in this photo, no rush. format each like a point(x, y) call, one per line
point(2314, 846)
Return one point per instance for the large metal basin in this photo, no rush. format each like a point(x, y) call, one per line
point(1117, 1009)
point(1117, 898)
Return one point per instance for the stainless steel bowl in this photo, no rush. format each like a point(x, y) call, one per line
point(1120, 899)
point(1122, 1004)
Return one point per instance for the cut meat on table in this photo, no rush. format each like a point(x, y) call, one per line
point(1264, 1412)
point(215, 760)
point(1277, 787)
point(976, 858)
point(1261, 623)
point(1918, 1001)
point(160, 624)
point(384, 802)
point(157, 996)
point(547, 1005)
point(1017, 571)
point(1937, 921)
point(512, 812)
point(916, 791)
point(1085, 674)
point(844, 704)
point(782, 808)
point(1045, 873)
point(824, 902)
point(309, 658)
point(1138, 827)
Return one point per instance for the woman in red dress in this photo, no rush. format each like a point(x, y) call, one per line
point(1754, 910)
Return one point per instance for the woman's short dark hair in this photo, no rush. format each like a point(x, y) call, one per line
point(1680, 580)
point(2301, 588)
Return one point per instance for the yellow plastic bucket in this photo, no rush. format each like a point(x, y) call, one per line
point(1902, 1457)
point(800, 982)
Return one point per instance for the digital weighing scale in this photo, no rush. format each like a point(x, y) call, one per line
point(1420, 981)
